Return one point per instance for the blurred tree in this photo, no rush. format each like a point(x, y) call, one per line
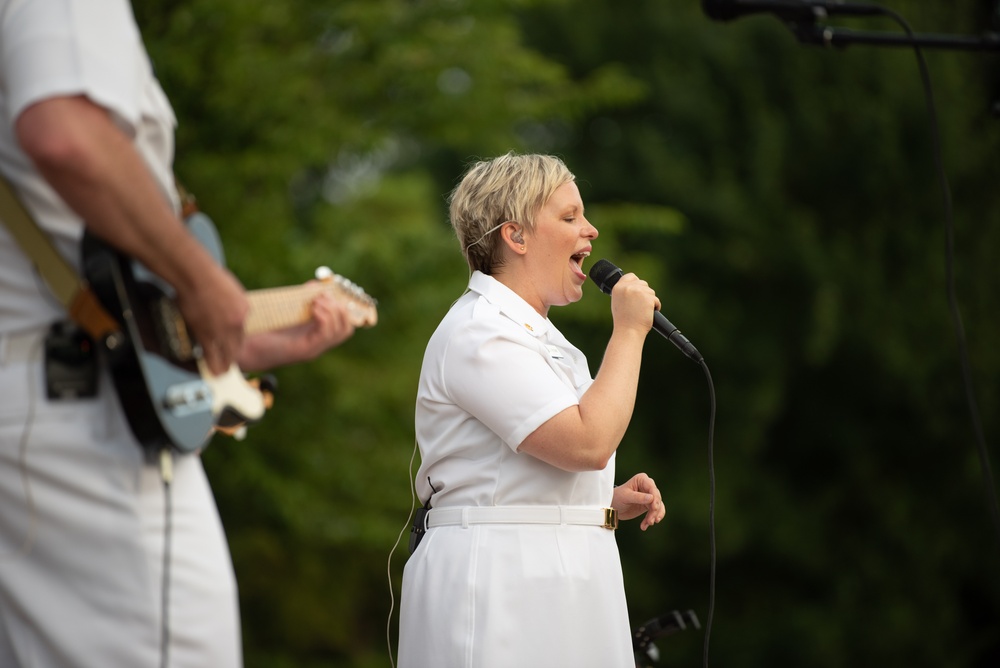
point(780, 197)
point(320, 133)
point(811, 273)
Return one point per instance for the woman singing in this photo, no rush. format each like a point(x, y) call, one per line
point(519, 565)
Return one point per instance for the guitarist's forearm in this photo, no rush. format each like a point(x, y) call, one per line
point(94, 167)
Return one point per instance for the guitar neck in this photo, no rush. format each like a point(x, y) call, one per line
point(277, 308)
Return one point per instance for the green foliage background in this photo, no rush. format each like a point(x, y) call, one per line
point(783, 200)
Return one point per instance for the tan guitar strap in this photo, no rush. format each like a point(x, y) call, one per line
point(69, 288)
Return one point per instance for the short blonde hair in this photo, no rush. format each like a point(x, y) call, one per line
point(508, 188)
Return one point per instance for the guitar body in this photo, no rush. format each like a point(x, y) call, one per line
point(169, 398)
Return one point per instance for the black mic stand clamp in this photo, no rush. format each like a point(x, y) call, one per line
point(646, 653)
point(809, 32)
point(804, 17)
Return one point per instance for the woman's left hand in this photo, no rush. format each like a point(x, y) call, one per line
point(637, 496)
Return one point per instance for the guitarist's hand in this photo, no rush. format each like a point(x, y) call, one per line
point(215, 308)
point(329, 326)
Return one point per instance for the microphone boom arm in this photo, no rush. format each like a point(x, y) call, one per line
point(802, 16)
point(841, 37)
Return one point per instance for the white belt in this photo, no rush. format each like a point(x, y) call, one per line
point(464, 516)
point(22, 346)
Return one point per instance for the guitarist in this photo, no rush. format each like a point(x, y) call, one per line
point(86, 139)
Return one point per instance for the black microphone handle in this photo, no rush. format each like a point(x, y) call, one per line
point(667, 329)
point(606, 275)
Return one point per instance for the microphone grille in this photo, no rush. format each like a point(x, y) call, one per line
point(605, 274)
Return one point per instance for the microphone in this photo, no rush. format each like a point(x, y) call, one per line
point(605, 275)
point(798, 11)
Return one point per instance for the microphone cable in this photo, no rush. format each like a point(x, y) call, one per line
point(956, 316)
point(826, 36)
point(953, 307)
point(711, 513)
point(605, 275)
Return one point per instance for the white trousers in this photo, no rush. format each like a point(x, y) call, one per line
point(82, 540)
point(508, 595)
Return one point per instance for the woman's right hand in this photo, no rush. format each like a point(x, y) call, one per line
point(633, 303)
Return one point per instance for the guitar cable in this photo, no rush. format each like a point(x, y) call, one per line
point(167, 474)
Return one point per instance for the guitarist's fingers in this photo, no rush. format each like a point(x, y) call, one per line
point(333, 320)
point(225, 351)
point(217, 357)
point(216, 310)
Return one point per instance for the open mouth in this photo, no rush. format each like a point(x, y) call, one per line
point(576, 260)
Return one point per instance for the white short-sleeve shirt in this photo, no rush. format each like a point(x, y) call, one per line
point(88, 589)
point(53, 48)
point(499, 595)
point(493, 372)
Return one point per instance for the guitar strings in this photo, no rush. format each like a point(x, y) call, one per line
point(284, 306)
point(272, 308)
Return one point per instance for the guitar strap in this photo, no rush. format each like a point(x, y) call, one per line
point(69, 288)
point(189, 203)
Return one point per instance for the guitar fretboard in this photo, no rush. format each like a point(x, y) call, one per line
point(277, 308)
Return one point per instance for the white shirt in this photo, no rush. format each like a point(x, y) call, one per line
point(493, 372)
point(65, 57)
point(495, 596)
point(88, 589)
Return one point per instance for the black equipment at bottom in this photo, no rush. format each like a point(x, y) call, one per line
point(647, 654)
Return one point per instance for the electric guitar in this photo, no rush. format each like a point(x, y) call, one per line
point(169, 396)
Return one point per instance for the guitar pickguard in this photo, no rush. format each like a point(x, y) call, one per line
point(166, 393)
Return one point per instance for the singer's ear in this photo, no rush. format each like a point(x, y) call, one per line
point(513, 234)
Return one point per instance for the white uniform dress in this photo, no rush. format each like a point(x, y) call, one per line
point(81, 512)
point(506, 595)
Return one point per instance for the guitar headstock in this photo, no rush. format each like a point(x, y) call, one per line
point(361, 306)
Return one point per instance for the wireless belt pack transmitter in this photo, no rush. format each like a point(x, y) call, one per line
point(70, 363)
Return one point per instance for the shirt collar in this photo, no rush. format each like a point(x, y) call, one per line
point(509, 303)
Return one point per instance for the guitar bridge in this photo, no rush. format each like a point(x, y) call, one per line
point(188, 398)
